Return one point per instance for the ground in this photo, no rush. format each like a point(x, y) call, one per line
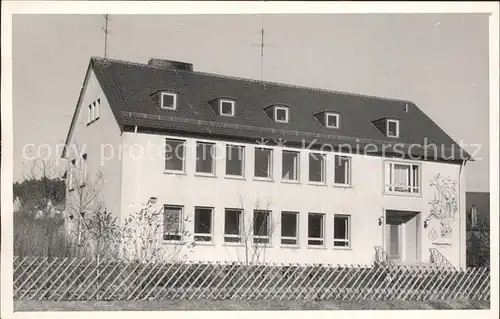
point(33, 305)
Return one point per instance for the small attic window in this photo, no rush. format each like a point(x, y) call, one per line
point(226, 107)
point(392, 128)
point(281, 114)
point(168, 101)
point(332, 120)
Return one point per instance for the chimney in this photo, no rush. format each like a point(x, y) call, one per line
point(170, 65)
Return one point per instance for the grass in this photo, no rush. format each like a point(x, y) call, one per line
point(202, 305)
point(39, 236)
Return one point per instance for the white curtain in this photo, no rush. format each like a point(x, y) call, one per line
point(401, 173)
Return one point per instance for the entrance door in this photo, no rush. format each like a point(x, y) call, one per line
point(393, 241)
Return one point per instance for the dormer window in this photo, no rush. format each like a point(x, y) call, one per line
point(168, 101)
point(226, 107)
point(328, 119)
point(278, 113)
point(332, 120)
point(281, 114)
point(392, 128)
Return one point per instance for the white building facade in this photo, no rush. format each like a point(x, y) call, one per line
point(253, 197)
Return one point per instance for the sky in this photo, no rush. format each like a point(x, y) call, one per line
point(438, 61)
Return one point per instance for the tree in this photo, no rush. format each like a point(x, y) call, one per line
point(256, 230)
point(478, 243)
point(40, 186)
point(85, 209)
point(38, 228)
point(101, 234)
point(143, 236)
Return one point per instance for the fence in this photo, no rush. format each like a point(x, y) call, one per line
point(82, 279)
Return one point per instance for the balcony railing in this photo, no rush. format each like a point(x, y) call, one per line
point(390, 188)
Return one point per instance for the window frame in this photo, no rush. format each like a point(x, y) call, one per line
point(387, 127)
point(271, 160)
point(269, 227)
point(93, 111)
point(389, 188)
point(181, 225)
point(297, 167)
point(174, 171)
point(322, 238)
point(348, 174)
point(240, 230)
point(348, 232)
point(221, 101)
point(174, 95)
point(214, 157)
point(287, 113)
point(211, 234)
point(83, 176)
point(297, 228)
point(323, 167)
point(243, 148)
point(97, 109)
point(90, 114)
point(71, 177)
point(337, 115)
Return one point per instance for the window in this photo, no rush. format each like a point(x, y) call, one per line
point(168, 101)
point(71, 177)
point(263, 163)
point(315, 231)
point(205, 154)
point(332, 120)
point(93, 111)
point(261, 227)
point(290, 166)
point(83, 176)
point(232, 225)
point(90, 113)
point(341, 231)
point(234, 160)
point(342, 170)
point(97, 105)
point(392, 128)
point(316, 168)
point(289, 227)
point(402, 178)
point(226, 107)
point(281, 114)
point(203, 218)
point(172, 223)
point(174, 155)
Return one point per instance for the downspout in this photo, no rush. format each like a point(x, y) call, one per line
point(460, 233)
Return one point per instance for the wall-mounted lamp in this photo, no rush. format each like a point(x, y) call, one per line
point(380, 220)
point(152, 200)
point(426, 223)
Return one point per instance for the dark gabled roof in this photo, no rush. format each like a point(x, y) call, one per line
point(129, 88)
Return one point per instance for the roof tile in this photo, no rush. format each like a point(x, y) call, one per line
point(129, 88)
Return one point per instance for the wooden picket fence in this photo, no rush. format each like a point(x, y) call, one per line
point(37, 278)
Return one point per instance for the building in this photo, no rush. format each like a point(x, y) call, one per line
point(478, 228)
point(268, 172)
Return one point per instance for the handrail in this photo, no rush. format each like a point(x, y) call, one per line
point(439, 259)
point(381, 256)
